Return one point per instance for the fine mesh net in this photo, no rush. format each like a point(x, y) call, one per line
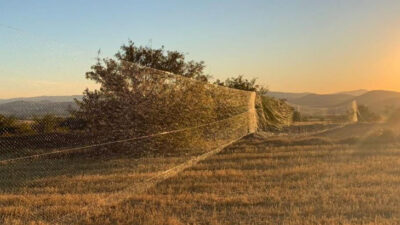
point(147, 127)
point(347, 112)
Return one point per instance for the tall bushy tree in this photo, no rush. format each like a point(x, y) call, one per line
point(136, 100)
point(133, 99)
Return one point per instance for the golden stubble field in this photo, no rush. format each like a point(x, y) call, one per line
point(250, 182)
point(63, 190)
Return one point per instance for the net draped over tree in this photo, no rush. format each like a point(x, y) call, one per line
point(134, 99)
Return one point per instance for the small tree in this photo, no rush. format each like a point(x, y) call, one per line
point(7, 125)
point(11, 126)
point(366, 115)
point(46, 124)
point(72, 123)
point(296, 116)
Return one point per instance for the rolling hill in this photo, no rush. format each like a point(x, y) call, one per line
point(287, 95)
point(308, 103)
point(38, 106)
point(378, 101)
point(327, 100)
point(43, 98)
point(355, 92)
point(26, 109)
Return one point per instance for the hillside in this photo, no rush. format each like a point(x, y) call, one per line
point(43, 98)
point(322, 104)
point(379, 100)
point(292, 95)
point(38, 106)
point(26, 109)
point(286, 95)
point(326, 100)
point(355, 92)
point(308, 103)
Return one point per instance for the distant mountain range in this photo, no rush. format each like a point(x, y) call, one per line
point(43, 98)
point(307, 103)
point(38, 106)
point(24, 109)
point(310, 103)
point(355, 92)
point(317, 100)
point(291, 96)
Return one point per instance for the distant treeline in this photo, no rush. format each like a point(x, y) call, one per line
point(11, 126)
point(25, 110)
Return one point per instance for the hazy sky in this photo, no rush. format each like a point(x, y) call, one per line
point(321, 46)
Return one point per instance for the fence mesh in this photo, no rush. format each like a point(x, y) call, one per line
point(149, 122)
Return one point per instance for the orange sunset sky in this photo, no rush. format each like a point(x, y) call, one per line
point(295, 46)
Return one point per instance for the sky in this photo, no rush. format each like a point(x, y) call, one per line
point(289, 45)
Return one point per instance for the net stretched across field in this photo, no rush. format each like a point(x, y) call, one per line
point(147, 123)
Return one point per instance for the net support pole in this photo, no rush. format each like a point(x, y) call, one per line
point(252, 113)
point(355, 111)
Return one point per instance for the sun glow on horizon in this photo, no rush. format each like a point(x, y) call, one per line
point(317, 46)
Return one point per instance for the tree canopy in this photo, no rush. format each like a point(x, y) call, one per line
point(160, 59)
point(152, 100)
point(241, 83)
point(135, 87)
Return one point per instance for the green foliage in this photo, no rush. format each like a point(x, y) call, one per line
point(72, 123)
point(11, 126)
point(7, 124)
point(135, 99)
point(47, 124)
point(241, 83)
point(170, 61)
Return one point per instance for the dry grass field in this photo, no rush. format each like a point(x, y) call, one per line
point(51, 191)
point(252, 183)
point(258, 180)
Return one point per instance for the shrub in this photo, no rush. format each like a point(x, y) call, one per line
point(366, 115)
point(11, 126)
point(72, 123)
point(47, 124)
point(296, 116)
